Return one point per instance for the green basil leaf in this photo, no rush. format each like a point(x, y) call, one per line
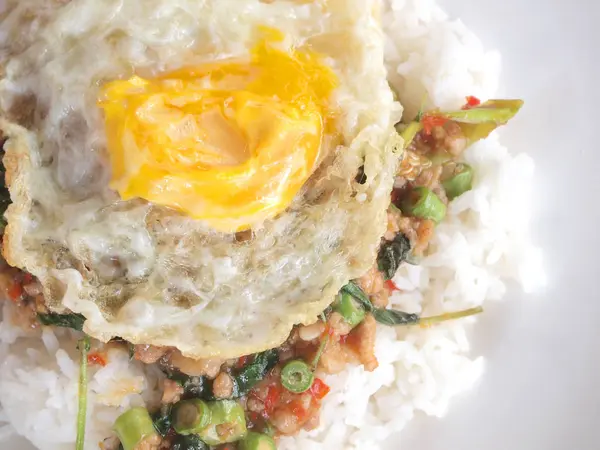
point(4, 194)
point(162, 420)
point(193, 387)
point(247, 377)
point(392, 254)
point(391, 317)
point(74, 321)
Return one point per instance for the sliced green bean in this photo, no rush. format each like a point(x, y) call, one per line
point(460, 182)
point(189, 442)
point(424, 204)
point(134, 426)
point(349, 309)
point(297, 377)
point(191, 416)
point(227, 423)
point(257, 441)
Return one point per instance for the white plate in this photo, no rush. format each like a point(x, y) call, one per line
point(540, 390)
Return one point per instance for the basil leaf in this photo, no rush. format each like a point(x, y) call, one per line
point(4, 194)
point(392, 254)
point(392, 317)
point(247, 377)
point(74, 321)
point(162, 420)
point(193, 387)
point(355, 291)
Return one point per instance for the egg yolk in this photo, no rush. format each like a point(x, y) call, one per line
point(228, 142)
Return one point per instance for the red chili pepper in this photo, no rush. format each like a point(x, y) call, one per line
point(241, 362)
point(430, 121)
point(15, 292)
point(272, 398)
point(391, 286)
point(329, 331)
point(472, 102)
point(319, 389)
point(96, 358)
point(344, 338)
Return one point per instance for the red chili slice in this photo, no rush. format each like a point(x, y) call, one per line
point(319, 389)
point(472, 102)
point(241, 362)
point(430, 121)
point(15, 292)
point(272, 398)
point(96, 358)
point(391, 286)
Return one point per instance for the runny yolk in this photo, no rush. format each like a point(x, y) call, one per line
point(229, 142)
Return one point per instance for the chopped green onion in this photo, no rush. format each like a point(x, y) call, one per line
point(424, 204)
point(349, 309)
point(257, 441)
point(134, 426)
point(190, 416)
point(297, 377)
point(227, 423)
point(84, 348)
point(460, 182)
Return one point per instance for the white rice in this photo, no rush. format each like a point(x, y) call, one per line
point(483, 243)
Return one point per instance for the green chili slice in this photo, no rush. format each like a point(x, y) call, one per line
point(297, 377)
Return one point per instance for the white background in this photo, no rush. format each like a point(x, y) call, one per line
point(541, 389)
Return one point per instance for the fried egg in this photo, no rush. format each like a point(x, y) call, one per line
point(144, 135)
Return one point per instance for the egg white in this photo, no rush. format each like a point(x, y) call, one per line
point(144, 272)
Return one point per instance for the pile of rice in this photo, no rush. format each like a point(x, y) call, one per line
point(482, 243)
